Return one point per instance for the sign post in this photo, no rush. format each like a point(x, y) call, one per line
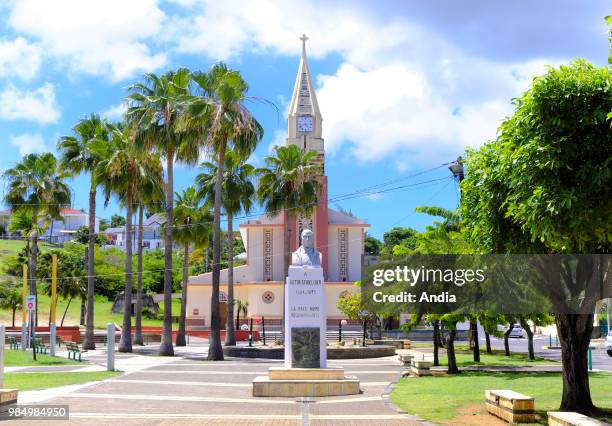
point(30, 307)
point(24, 318)
point(53, 304)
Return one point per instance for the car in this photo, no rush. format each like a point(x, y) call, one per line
point(609, 343)
point(517, 332)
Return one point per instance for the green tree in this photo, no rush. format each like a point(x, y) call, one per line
point(545, 186)
point(117, 220)
point(81, 153)
point(125, 171)
point(238, 192)
point(155, 106)
point(220, 108)
point(36, 186)
point(372, 246)
point(10, 296)
point(241, 306)
point(398, 236)
point(192, 225)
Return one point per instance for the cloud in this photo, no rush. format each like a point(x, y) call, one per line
point(104, 38)
point(37, 105)
point(115, 112)
point(401, 91)
point(19, 59)
point(28, 143)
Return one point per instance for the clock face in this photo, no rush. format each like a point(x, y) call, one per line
point(304, 124)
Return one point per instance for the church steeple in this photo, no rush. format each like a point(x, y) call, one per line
point(304, 122)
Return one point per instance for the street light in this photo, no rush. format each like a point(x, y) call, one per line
point(340, 324)
point(456, 168)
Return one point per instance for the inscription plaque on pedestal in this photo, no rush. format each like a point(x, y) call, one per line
point(305, 318)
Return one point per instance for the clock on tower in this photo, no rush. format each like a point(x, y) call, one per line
point(304, 123)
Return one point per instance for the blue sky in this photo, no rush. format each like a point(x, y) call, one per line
point(403, 85)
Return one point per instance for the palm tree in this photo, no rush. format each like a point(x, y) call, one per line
point(221, 113)
point(154, 108)
point(126, 169)
point(191, 226)
point(241, 306)
point(81, 153)
point(238, 191)
point(289, 184)
point(36, 186)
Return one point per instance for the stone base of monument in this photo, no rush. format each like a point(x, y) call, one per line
point(8, 396)
point(293, 382)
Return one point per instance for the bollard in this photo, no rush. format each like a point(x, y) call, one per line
point(590, 362)
point(549, 341)
point(263, 328)
point(251, 333)
point(110, 348)
point(52, 340)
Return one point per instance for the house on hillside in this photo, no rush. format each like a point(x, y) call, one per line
point(152, 234)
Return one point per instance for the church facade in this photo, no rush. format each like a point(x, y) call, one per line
point(338, 236)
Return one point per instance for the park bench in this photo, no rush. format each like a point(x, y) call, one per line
point(40, 347)
point(73, 348)
point(510, 406)
point(569, 418)
point(13, 343)
point(420, 367)
point(405, 359)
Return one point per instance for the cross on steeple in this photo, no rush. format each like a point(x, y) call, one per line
point(303, 38)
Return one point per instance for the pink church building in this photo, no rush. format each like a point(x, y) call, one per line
point(338, 236)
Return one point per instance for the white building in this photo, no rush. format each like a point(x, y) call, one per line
point(61, 230)
point(338, 236)
point(152, 234)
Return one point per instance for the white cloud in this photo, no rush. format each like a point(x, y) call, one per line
point(115, 112)
point(37, 105)
point(102, 38)
point(401, 91)
point(28, 143)
point(19, 58)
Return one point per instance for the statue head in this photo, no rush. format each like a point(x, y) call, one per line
point(307, 239)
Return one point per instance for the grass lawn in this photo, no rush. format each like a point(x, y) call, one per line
point(31, 381)
point(102, 312)
point(19, 358)
point(444, 398)
point(465, 358)
point(13, 247)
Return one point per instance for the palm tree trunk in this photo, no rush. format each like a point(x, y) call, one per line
point(215, 351)
point(287, 257)
point(238, 317)
point(138, 314)
point(436, 342)
point(65, 311)
point(89, 328)
point(125, 344)
point(180, 336)
point(230, 336)
point(165, 347)
point(14, 309)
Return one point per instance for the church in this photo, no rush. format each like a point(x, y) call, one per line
point(338, 236)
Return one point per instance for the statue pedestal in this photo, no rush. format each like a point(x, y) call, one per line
point(305, 372)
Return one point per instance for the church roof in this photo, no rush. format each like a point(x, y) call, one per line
point(334, 218)
point(304, 98)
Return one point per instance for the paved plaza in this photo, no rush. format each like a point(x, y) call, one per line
point(187, 389)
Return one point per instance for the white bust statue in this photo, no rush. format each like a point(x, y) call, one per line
point(306, 254)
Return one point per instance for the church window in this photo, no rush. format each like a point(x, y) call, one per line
point(343, 253)
point(267, 254)
point(267, 297)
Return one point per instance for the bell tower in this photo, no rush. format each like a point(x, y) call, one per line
point(304, 122)
point(305, 129)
